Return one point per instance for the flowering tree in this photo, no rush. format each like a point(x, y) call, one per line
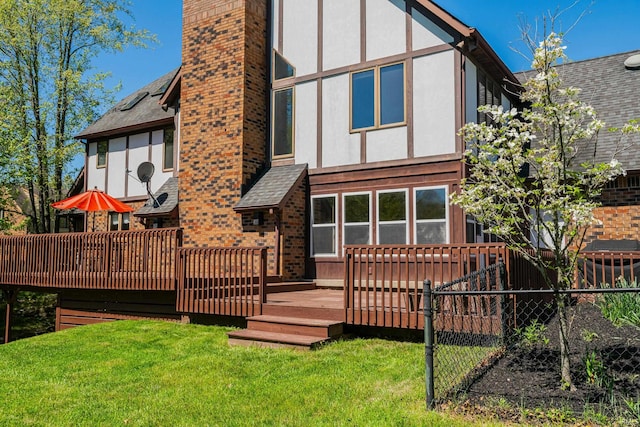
point(552, 205)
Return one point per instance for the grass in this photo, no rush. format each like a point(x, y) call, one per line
point(621, 307)
point(165, 374)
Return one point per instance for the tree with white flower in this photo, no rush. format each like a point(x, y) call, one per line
point(529, 183)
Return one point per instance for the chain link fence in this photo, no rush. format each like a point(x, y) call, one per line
point(490, 344)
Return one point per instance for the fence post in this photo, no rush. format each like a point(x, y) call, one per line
point(428, 343)
point(504, 316)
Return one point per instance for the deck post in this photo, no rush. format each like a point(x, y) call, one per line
point(10, 297)
point(428, 344)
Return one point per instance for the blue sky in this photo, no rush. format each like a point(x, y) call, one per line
point(608, 26)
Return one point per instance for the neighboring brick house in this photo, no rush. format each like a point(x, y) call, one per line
point(612, 89)
point(304, 126)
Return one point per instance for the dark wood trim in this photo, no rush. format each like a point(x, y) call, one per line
point(407, 176)
point(320, 53)
point(128, 130)
point(280, 25)
point(319, 118)
point(126, 167)
point(363, 30)
point(150, 147)
point(388, 164)
point(409, 25)
point(408, 69)
point(280, 84)
point(363, 147)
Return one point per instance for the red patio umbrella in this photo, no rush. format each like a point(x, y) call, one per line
point(93, 201)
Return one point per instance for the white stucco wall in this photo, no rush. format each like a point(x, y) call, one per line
point(386, 28)
point(117, 171)
point(339, 147)
point(300, 32)
point(387, 144)
point(306, 124)
point(425, 33)
point(95, 176)
point(434, 104)
point(157, 147)
point(138, 153)
point(341, 33)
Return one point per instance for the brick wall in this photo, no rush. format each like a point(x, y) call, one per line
point(223, 131)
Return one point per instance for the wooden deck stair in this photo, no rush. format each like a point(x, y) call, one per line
point(280, 331)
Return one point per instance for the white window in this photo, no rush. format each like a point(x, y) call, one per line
point(392, 217)
point(431, 214)
point(357, 219)
point(323, 226)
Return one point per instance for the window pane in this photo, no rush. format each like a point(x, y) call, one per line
point(168, 149)
point(392, 206)
point(283, 122)
point(356, 208)
point(282, 68)
point(431, 204)
point(392, 234)
point(430, 232)
point(392, 94)
point(362, 99)
point(125, 221)
point(324, 210)
point(102, 153)
point(324, 239)
point(356, 234)
point(113, 221)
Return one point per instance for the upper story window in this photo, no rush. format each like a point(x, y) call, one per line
point(282, 137)
point(378, 97)
point(167, 151)
point(282, 69)
point(101, 158)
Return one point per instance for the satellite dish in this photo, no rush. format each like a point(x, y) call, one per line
point(145, 171)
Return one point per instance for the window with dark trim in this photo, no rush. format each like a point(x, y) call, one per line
point(282, 69)
point(101, 157)
point(283, 123)
point(167, 150)
point(378, 97)
point(118, 221)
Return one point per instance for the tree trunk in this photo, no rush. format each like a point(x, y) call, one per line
point(563, 329)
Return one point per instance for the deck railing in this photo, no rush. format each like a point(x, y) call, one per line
point(126, 260)
point(222, 281)
point(598, 267)
point(383, 284)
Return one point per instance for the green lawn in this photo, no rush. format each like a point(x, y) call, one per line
point(165, 374)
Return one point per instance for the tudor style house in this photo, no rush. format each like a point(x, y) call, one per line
point(293, 130)
point(304, 126)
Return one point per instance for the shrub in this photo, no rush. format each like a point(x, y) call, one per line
point(621, 307)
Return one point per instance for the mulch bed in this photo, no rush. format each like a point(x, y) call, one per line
point(528, 376)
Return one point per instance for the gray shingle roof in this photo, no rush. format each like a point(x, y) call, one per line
point(146, 111)
point(273, 188)
point(614, 92)
point(167, 198)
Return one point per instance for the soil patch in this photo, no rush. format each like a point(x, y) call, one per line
point(528, 376)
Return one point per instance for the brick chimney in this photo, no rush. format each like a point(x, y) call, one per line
point(223, 129)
